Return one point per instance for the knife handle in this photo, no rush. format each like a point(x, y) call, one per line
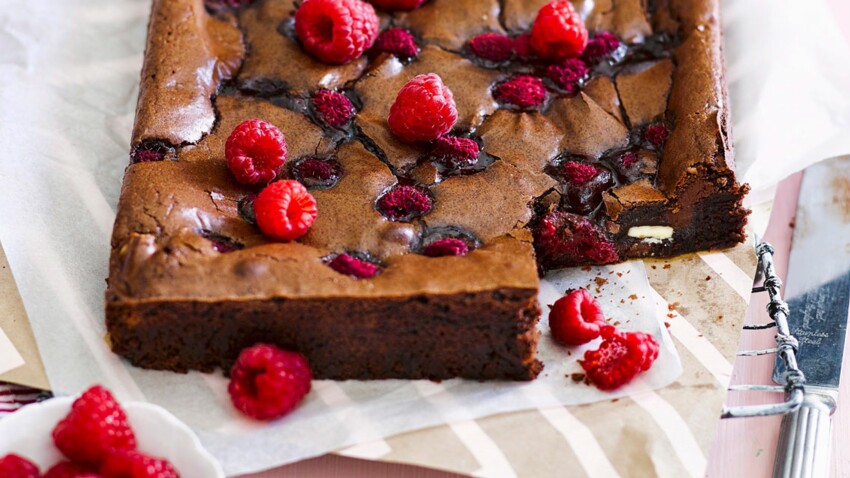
point(805, 439)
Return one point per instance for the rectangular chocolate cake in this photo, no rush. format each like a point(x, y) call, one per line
point(608, 142)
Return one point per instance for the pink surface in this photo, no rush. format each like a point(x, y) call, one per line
point(746, 447)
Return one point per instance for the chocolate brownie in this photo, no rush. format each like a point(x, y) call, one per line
point(621, 153)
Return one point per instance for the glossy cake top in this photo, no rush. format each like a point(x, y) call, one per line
point(541, 146)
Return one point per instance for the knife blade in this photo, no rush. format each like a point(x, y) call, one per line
point(818, 296)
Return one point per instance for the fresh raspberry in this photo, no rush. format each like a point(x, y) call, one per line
point(333, 107)
point(403, 203)
point(95, 427)
point(132, 464)
point(620, 358)
point(285, 210)
point(255, 151)
point(568, 74)
point(558, 31)
point(66, 469)
point(424, 110)
point(565, 239)
point(398, 42)
point(576, 318)
point(656, 134)
point(317, 173)
point(351, 266)
point(16, 466)
point(629, 159)
point(578, 173)
point(454, 151)
point(492, 46)
point(449, 246)
point(523, 91)
point(522, 46)
point(267, 382)
point(336, 31)
point(397, 5)
point(601, 45)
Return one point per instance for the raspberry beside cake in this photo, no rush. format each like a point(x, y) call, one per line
point(582, 146)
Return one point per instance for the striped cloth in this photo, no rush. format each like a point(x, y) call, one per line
point(666, 432)
point(13, 397)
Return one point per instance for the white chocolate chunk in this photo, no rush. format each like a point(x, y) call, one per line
point(658, 233)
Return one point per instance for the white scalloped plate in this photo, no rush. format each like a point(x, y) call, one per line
point(158, 433)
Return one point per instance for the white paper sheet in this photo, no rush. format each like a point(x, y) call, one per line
point(68, 85)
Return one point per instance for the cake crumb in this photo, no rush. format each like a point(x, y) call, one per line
point(667, 324)
point(619, 274)
point(707, 278)
point(577, 377)
point(633, 297)
point(666, 266)
point(673, 306)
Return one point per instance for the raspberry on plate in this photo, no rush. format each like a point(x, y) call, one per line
point(336, 31)
point(424, 110)
point(558, 31)
point(620, 358)
point(267, 382)
point(349, 265)
point(333, 107)
point(16, 466)
point(255, 152)
point(284, 210)
point(95, 428)
point(66, 469)
point(576, 318)
point(133, 464)
point(398, 42)
point(524, 92)
point(400, 5)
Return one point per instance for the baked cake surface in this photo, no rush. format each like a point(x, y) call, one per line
point(193, 281)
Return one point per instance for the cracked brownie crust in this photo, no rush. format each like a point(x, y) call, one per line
point(636, 161)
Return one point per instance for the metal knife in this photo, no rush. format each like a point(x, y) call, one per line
point(818, 296)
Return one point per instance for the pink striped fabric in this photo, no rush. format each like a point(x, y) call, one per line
point(13, 397)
